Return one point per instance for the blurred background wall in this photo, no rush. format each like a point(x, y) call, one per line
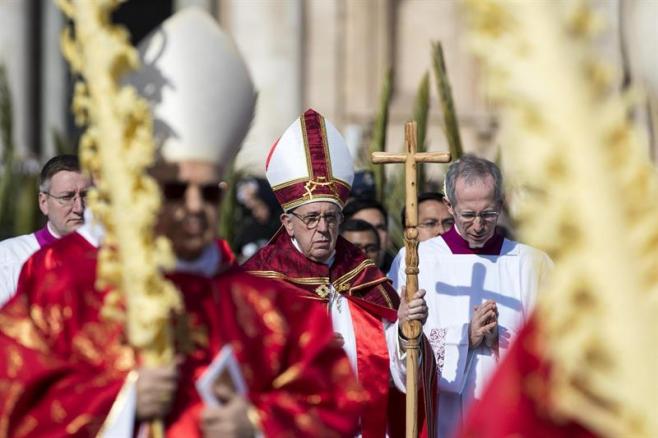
point(331, 55)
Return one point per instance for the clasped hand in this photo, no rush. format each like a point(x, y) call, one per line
point(156, 388)
point(484, 325)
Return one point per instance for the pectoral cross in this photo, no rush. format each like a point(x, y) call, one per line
point(412, 329)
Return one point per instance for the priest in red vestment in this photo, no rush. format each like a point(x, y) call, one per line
point(310, 171)
point(68, 369)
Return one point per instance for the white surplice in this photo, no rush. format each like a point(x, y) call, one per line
point(13, 253)
point(455, 284)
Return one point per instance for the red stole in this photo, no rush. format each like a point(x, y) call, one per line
point(371, 298)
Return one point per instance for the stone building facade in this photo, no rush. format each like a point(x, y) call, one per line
point(331, 55)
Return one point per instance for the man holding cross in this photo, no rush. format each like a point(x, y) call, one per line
point(480, 287)
point(310, 171)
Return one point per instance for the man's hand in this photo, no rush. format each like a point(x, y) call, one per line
point(339, 341)
point(416, 309)
point(155, 391)
point(230, 420)
point(484, 325)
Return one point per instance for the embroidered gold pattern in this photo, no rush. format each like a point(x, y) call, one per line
point(263, 305)
point(11, 391)
point(385, 295)
point(312, 185)
point(287, 376)
point(78, 423)
point(57, 412)
point(14, 362)
point(345, 278)
point(297, 280)
point(27, 426)
point(304, 339)
point(323, 291)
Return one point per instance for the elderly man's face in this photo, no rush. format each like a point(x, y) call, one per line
point(476, 210)
point(190, 207)
point(315, 228)
point(64, 201)
point(434, 219)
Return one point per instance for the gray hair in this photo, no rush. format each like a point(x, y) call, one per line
point(472, 169)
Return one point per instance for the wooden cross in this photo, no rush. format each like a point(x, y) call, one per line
point(412, 329)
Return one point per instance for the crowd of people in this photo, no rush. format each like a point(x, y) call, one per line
point(311, 298)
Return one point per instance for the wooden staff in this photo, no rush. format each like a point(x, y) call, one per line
point(411, 329)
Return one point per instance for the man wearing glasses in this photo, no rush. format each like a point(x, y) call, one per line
point(310, 171)
point(62, 192)
point(362, 235)
point(80, 378)
point(480, 286)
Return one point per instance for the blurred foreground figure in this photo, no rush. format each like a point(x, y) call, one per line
point(68, 369)
point(62, 193)
point(310, 171)
point(480, 287)
point(586, 363)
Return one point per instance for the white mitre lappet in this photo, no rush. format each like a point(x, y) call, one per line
point(199, 89)
point(202, 99)
point(310, 162)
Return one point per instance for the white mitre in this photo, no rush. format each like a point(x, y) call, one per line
point(309, 163)
point(199, 89)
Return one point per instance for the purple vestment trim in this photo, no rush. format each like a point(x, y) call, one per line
point(44, 236)
point(458, 245)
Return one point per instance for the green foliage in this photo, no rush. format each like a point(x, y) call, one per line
point(378, 141)
point(229, 213)
point(62, 143)
point(394, 202)
point(7, 177)
point(19, 212)
point(450, 122)
point(421, 113)
point(27, 214)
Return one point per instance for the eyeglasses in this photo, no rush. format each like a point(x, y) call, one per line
point(486, 216)
point(368, 249)
point(433, 223)
point(67, 199)
point(175, 191)
point(313, 220)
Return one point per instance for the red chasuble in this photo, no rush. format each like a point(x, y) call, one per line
point(373, 299)
point(66, 364)
point(515, 402)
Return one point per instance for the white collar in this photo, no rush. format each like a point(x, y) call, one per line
point(206, 265)
point(92, 230)
point(52, 231)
